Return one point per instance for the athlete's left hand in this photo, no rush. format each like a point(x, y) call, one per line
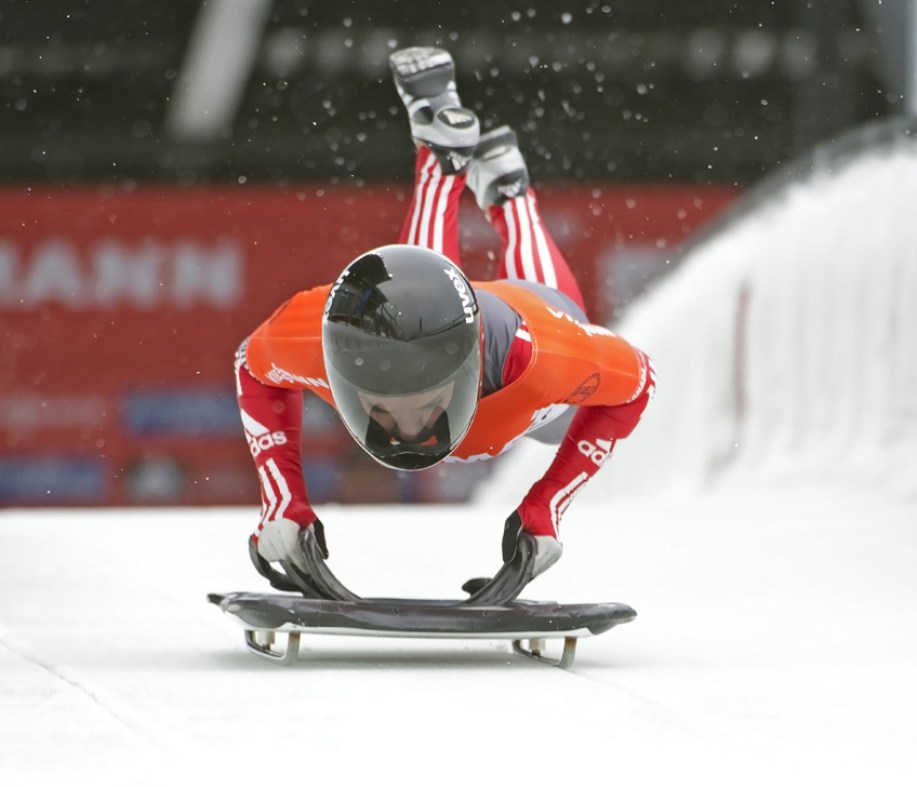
point(542, 539)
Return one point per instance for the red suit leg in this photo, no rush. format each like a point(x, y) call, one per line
point(432, 218)
point(529, 251)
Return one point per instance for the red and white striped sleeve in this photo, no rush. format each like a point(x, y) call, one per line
point(588, 444)
point(272, 419)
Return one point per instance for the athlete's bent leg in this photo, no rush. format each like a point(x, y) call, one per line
point(432, 217)
point(446, 135)
point(499, 179)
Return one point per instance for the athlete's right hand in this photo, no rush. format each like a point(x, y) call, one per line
point(278, 541)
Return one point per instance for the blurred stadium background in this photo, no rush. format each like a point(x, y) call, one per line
point(171, 172)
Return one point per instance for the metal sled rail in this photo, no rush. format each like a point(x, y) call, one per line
point(261, 644)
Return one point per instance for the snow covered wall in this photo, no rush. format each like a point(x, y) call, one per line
point(785, 342)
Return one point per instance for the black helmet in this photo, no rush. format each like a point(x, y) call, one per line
point(401, 337)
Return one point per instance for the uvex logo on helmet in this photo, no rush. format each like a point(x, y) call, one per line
point(459, 283)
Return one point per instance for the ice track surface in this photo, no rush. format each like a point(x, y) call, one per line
point(776, 642)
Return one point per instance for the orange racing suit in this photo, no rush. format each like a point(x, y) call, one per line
point(556, 360)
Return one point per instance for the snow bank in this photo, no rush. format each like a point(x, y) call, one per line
point(785, 343)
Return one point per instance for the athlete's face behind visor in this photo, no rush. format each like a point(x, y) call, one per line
point(410, 431)
point(409, 419)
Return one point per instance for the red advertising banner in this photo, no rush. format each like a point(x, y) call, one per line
point(121, 309)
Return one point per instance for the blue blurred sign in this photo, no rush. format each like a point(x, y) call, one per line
point(51, 480)
point(183, 413)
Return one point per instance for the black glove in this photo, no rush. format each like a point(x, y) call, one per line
point(512, 529)
point(524, 557)
point(547, 549)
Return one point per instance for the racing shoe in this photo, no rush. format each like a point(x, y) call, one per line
point(497, 171)
point(425, 80)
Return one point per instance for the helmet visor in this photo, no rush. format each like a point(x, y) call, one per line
point(410, 431)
